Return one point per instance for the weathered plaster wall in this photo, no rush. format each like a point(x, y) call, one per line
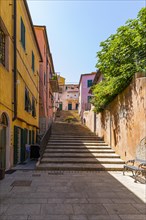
point(123, 122)
point(88, 118)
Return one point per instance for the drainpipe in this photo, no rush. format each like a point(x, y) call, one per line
point(15, 61)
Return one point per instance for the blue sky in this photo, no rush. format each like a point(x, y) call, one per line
point(76, 28)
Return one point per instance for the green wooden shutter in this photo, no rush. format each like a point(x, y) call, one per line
point(15, 144)
point(26, 136)
point(32, 137)
point(33, 61)
point(22, 34)
point(29, 137)
point(89, 83)
point(23, 143)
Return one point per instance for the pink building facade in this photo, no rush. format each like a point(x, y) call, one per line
point(68, 97)
point(85, 83)
point(46, 72)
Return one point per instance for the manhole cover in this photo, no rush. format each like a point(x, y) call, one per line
point(21, 183)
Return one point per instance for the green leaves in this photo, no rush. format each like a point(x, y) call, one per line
point(122, 55)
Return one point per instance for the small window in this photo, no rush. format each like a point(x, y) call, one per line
point(2, 46)
point(33, 107)
point(89, 99)
point(3, 120)
point(89, 83)
point(22, 34)
point(27, 101)
point(33, 62)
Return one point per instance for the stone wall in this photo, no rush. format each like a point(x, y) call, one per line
point(123, 122)
point(88, 119)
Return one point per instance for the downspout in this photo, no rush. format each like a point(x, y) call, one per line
point(15, 61)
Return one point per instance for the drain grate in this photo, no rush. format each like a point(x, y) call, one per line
point(21, 183)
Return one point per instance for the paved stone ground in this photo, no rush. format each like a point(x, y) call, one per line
point(71, 196)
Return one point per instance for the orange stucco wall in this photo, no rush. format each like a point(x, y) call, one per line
point(123, 122)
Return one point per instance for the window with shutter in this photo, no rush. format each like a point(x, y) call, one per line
point(15, 145)
point(22, 34)
point(89, 83)
point(32, 136)
point(28, 107)
point(30, 141)
point(33, 107)
point(2, 46)
point(33, 62)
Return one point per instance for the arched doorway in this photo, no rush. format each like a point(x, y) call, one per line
point(3, 139)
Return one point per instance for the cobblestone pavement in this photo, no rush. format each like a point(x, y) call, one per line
point(57, 195)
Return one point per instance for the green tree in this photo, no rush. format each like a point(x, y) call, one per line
point(122, 55)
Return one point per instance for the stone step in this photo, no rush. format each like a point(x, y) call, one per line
point(76, 141)
point(80, 167)
point(80, 155)
point(77, 147)
point(72, 147)
point(75, 144)
point(75, 136)
point(83, 160)
point(79, 151)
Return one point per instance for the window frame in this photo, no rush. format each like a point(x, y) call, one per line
point(3, 47)
point(28, 105)
point(32, 61)
point(89, 83)
point(22, 34)
point(6, 61)
point(33, 107)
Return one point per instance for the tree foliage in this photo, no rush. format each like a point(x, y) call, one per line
point(122, 55)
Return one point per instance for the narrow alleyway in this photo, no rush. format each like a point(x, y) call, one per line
point(52, 193)
point(72, 146)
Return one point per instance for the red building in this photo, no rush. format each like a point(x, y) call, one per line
point(46, 75)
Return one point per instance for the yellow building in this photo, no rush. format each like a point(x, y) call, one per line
point(19, 82)
point(61, 80)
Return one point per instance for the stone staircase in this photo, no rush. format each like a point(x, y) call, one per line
point(72, 147)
